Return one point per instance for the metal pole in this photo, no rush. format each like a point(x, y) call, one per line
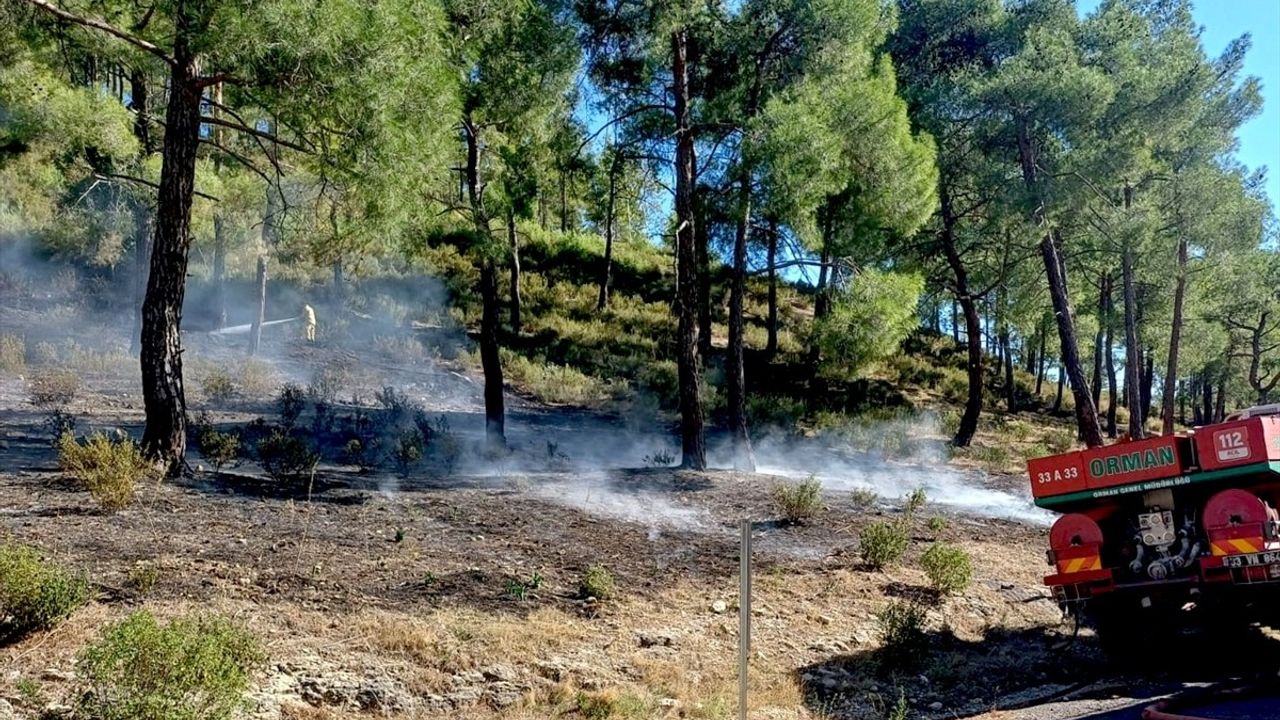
point(744, 616)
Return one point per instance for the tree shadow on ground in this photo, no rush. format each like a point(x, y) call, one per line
point(1009, 669)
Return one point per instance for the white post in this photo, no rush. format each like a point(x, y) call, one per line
point(744, 617)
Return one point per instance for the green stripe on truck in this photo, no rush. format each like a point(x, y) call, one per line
point(1262, 467)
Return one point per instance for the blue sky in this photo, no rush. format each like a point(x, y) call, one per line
point(1222, 21)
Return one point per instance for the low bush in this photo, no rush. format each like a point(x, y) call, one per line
point(285, 456)
point(218, 386)
point(949, 568)
point(59, 423)
point(13, 355)
point(597, 582)
point(256, 377)
point(193, 668)
point(882, 544)
point(937, 523)
point(219, 448)
point(291, 401)
point(914, 501)
point(863, 498)
point(53, 387)
point(900, 625)
point(35, 594)
point(110, 468)
point(797, 503)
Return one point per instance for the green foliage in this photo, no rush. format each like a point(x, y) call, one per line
point(597, 582)
point(949, 568)
point(798, 502)
point(937, 523)
point(143, 576)
point(867, 321)
point(882, 544)
point(35, 594)
point(219, 448)
point(285, 456)
point(197, 667)
point(864, 498)
point(218, 386)
point(110, 468)
point(914, 501)
point(53, 387)
point(900, 625)
point(290, 403)
point(57, 424)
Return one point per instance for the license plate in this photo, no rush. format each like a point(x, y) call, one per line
point(1252, 560)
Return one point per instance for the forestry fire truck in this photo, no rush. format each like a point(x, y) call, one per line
point(1171, 522)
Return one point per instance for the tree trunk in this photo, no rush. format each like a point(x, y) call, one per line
point(606, 273)
point(255, 329)
point(1206, 397)
point(1175, 338)
point(735, 376)
point(1097, 340)
point(973, 334)
point(693, 441)
point(1011, 390)
point(165, 436)
point(1086, 412)
point(955, 323)
point(1110, 360)
point(490, 357)
point(771, 347)
point(704, 275)
point(142, 212)
point(515, 272)
point(1057, 400)
point(1132, 354)
point(817, 385)
point(1148, 377)
point(1044, 342)
point(338, 283)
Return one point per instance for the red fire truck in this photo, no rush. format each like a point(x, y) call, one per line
point(1175, 521)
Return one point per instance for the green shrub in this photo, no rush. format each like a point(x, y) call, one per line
point(1060, 441)
point(949, 568)
point(34, 593)
point(291, 402)
point(408, 450)
point(900, 625)
point(937, 523)
point(13, 355)
point(883, 543)
point(53, 387)
point(143, 576)
point(914, 501)
point(110, 468)
point(219, 448)
point(796, 503)
point(218, 386)
point(596, 582)
point(193, 668)
point(993, 456)
point(285, 456)
point(864, 498)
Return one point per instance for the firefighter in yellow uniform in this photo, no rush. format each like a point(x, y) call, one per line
point(309, 315)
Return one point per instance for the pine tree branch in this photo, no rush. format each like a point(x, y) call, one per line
point(148, 183)
point(270, 137)
point(104, 27)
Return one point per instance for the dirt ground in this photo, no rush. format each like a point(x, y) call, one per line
point(454, 592)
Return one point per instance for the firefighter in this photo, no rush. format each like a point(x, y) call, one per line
point(309, 315)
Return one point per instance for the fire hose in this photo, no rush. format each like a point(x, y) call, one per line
point(1168, 709)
